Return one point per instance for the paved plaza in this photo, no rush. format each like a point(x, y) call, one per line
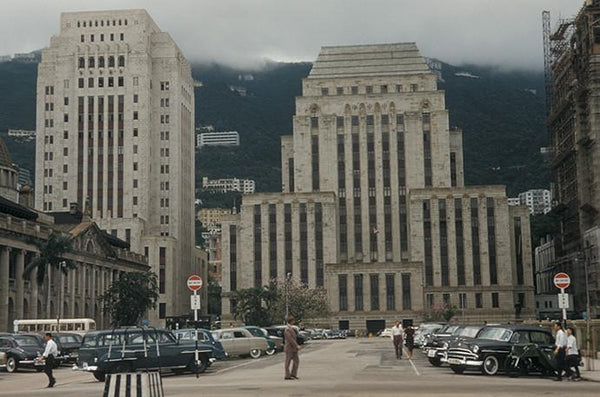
point(352, 367)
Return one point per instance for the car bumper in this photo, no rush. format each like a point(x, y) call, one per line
point(85, 368)
point(464, 362)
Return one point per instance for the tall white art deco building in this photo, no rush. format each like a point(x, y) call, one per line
point(115, 122)
point(374, 206)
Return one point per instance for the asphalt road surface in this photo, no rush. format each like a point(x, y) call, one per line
point(352, 367)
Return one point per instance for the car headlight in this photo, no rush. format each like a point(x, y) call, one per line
point(445, 345)
point(475, 349)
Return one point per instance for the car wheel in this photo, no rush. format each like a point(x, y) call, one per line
point(200, 367)
point(11, 364)
point(457, 369)
point(435, 362)
point(270, 351)
point(255, 353)
point(101, 376)
point(491, 365)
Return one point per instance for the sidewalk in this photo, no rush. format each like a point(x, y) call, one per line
point(592, 373)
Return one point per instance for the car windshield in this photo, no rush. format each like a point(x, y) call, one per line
point(256, 332)
point(499, 334)
point(27, 341)
point(449, 329)
point(68, 339)
point(469, 332)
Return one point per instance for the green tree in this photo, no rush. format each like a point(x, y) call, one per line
point(129, 297)
point(52, 253)
point(298, 300)
point(254, 306)
point(443, 312)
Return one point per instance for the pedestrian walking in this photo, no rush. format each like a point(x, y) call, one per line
point(397, 333)
point(409, 340)
point(560, 349)
point(49, 356)
point(291, 349)
point(572, 360)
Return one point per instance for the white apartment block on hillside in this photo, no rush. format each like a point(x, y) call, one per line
point(224, 185)
point(115, 125)
point(227, 138)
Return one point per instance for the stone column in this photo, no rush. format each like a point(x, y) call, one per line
point(34, 296)
point(4, 286)
point(19, 284)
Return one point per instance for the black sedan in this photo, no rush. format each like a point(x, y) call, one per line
point(69, 345)
point(488, 352)
point(21, 351)
point(436, 348)
point(131, 349)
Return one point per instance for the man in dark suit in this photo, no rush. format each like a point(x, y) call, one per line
point(291, 349)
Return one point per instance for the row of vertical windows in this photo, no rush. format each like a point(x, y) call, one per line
point(303, 244)
point(257, 247)
point(110, 82)
point(232, 258)
point(369, 89)
point(96, 23)
point(111, 37)
point(491, 226)
point(427, 243)
point(272, 242)
point(390, 292)
point(340, 121)
point(463, 301)
point(102, 62)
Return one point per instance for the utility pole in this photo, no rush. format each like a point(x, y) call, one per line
point(287, 299)
point(586, 259)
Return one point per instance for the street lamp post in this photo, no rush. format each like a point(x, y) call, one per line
point(61, 303)
point(587, 305)
point(287, 291)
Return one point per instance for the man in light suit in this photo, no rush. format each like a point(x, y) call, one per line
point(291, 350)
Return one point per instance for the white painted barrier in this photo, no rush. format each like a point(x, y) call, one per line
point(133, 384)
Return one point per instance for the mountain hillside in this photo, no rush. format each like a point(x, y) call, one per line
point(501, 114)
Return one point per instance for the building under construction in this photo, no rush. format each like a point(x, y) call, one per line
point(572, 62)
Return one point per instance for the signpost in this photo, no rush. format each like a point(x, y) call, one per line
point(562, 281)
point(194, 283)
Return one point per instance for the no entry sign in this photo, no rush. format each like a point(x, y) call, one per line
point(194, 282)
point(562, 280)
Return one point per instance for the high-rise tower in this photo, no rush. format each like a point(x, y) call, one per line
point(115, 122)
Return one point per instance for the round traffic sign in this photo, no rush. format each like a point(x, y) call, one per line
point(562, 280)
point(194, 282)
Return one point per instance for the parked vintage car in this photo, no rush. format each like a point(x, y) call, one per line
point(204, 336)
point(21, 351)
point(489, 351)
point(68, 344)
point(424, 330)
point(256, 331)
point(277, 330)
point(436, 348)
point(130, 349)
point(240, 342)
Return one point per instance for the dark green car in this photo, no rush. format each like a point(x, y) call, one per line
point(131, 349)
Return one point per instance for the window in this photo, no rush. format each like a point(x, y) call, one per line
point(65, 185)
point(80, 82)
point(354, 90)
point(478, 300)
point(358, 292)
point(101, 82)
point(495, 300)
point(374, 281)
point(66, 101)
point(384, 89)
point(406, 293)
point(91, 62)
point(390, 293)
point(162, 310)
point(66, 117)
point(135, 166)
point(91, 82)
point(111, 81)
point(135, 200)
point(343, 291)
point(121, 61)
point(122, 36)
point(398, 87)
point(65, 151)
point(340, 90)
point(65, 134)
point(314, 122)
point(81, 62)
point(101, 37)
point(164, 86)
point(135, 115)
point(135, 183)
point(135, 98)
point(135, 148)
point(82, 38)
point(414, 87)
point(324, 91)
point(135, 132)
point(121, 81)
point(339, 120)
point(369, 89)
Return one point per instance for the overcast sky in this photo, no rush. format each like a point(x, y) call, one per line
point(245, 32)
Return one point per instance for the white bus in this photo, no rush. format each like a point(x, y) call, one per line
point(74, 325)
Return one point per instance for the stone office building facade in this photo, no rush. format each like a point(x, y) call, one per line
point(371, 128)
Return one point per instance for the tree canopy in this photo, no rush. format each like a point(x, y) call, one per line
point(51, 255)
point(129, 297)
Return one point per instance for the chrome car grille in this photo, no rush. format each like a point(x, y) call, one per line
point(461, 353)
